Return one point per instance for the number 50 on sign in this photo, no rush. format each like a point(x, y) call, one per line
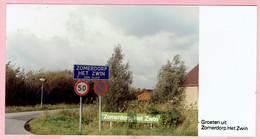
point(81, 88)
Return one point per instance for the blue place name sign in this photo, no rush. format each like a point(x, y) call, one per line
point(91, 72)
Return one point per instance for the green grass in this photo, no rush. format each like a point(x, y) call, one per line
point(67, 123)
point(14, 109)
point(56, 124)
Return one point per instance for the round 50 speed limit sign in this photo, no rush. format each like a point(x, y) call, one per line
point(81, 88)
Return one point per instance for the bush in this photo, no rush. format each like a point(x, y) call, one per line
point(169, 78)
point(171, 118)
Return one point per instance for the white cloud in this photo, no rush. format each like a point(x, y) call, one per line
point(55, 37)
point(149, 20)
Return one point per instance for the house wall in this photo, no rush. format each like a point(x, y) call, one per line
point(191, 97)
point(144, 96)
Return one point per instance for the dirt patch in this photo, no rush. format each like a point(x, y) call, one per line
point(27, 126)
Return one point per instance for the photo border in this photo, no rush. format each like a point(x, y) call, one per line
point(3, 4)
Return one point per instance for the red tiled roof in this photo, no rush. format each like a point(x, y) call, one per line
point(147, 90)
point(192, 77)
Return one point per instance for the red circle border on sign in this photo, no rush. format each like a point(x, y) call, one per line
point(75, 87)
point(104, 90)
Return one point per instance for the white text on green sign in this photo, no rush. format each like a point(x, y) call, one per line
point(130, 117)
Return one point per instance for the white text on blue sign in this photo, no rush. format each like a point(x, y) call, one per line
point(91, 72)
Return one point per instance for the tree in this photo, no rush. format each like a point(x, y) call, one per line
point(169, 78)
point(60, 84)
point(33, 86)
point(134, 92)
point(24, 88)
point(120, 79)
point(15, 85)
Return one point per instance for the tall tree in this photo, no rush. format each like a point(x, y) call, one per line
point(169, 78)
point(120, 79)
point(15, 85)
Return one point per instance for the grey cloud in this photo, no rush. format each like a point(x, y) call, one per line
point(149, 20)
point(75, 26)
point(149, 35)
point(26, 49)
point(54, 53)
point(171, 42)
point(144, 81)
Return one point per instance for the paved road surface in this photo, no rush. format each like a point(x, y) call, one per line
point(14, 122)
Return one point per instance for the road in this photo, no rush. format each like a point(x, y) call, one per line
point(15, 122)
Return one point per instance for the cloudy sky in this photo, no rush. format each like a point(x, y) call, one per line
point(55, 37)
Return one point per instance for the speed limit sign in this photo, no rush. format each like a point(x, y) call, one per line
point(81, 88)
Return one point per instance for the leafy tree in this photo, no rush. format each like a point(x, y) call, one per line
point(33, 87)
point(91, 96)
point(169, 78)
point(15, 90)
point(120, 79)
point(25, 88)
point(134, 92)
point(59, 84)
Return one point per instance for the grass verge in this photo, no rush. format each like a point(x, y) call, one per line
point(67, 123)
point(14, 109)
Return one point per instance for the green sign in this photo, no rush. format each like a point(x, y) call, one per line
point(130, 117)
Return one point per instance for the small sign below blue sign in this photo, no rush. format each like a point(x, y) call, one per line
point(88, 72)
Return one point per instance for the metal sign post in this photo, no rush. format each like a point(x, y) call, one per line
point(80, 113)
point(99, 114)
point(100, 88)
point(81, 88)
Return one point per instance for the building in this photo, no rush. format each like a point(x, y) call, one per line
point(144, 95)
point(191, 90)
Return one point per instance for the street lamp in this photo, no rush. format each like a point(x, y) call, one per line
point(42, 80)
